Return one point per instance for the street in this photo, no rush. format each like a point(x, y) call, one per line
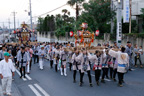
point(49, 83)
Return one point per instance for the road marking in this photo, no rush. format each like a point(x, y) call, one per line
point(133, 69)
point(43, 91)
point(28, 77)
point(20, 75)
point(34, 90)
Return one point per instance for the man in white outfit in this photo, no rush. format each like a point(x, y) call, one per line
point(6, 72)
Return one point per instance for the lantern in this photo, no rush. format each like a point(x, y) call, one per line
point(71, 33)
point(14, 32)
point(97, 32)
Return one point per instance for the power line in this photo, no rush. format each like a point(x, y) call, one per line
point(50, 11)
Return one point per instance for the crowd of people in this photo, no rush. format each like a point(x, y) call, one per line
point(106, 61)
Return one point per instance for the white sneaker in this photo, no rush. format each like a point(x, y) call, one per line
point(65, 74)
point(61, 73)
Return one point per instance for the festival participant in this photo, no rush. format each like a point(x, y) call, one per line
point(97, 58)
point(137, 55)
point(9, 51)
point(85, 67)
point(31, 54)
point(105, 67)
point(56, 57)
point(42, 55)
point(76, 63)
point(36, 55)
point(129, 51)
point(115, 69)
point(141, 53)
point(6, 72)
point(14, 54)
point(2, 53)
point(123, 62)
point(51, 56)
point(63, 56)
point(22, 58)
point(28, 64)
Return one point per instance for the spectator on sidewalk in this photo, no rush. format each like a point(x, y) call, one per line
point(6, 72)
point(137, 55)
point(129, 51)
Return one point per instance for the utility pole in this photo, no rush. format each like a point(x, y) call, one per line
point(14, 13)
point(119, 23)
point(130, 1)
point(30, 14)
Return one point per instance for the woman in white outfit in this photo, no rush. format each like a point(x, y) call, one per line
point(42, 55)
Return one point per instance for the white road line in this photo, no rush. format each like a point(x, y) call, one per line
point(28, 77)
point(20, 75)
point(43, 91)
point(34, 90)
point(133, 69)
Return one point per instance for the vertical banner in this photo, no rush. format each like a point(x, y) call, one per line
point(126, 11)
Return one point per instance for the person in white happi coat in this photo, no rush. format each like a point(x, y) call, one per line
point(63, 56)
point(42, 55)
point(51, 56)
point(7, 70)
point(85, 63)
point(97, 58)
point(22, 59)
point(123, 63)
point(56, 57)
point(76, 63)
point(28, 65)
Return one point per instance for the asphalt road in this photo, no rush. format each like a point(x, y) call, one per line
point(49, 83)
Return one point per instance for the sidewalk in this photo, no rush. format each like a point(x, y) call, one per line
point(15, 91)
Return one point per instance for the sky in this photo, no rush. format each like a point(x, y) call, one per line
point(38, 7)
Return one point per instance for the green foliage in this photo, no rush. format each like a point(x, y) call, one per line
point(98, 15)
point(125, 27)
point(64, 23)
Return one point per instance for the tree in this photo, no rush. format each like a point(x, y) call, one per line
point(77, 3)
point(97, 13)
point(40, 24)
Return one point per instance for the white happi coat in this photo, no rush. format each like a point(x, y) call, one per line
point(63, 57)
point(122, 63)
point(51, 54)
point(70, 53)
point(95, 59)
point(107, 62)
point(56, 56)
point(85, 60)
point(78, 60)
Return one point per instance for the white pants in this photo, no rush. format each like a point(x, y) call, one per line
point(6, 84)
point(41, 64)
point(28, 70)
